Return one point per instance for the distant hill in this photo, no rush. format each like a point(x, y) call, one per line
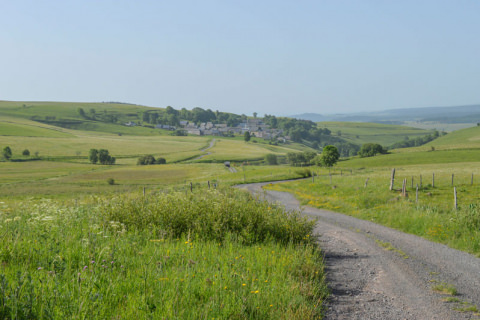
point(418, 117)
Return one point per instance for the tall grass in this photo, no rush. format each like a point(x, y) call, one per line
point(433, 216)
point(213, 255)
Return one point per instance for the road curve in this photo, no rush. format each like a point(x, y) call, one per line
point(367, 281)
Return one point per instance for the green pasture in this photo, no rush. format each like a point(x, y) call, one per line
point(364, 132)
point(217, 254)
point(54, 179)
point(433, 216)
point(81, 143)
point(27, 128)
point(461, 139)
point(68, 110)
point(411, 156)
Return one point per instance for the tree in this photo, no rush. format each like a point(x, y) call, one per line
point(255, 115)
point(370, 150)
point(246, 136)
point(93, 156)
point(26, 152)
point(271, 159)
point(7, 153)
point(292, 158)
point(330, 156)
point(161, 161)
point(105, 158)
point(146, 160)
point(308, 156)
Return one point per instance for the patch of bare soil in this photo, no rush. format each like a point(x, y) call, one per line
point(376, 272)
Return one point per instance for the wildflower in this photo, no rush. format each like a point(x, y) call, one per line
point(39, 268)
point(243, 284)
point(93, 261)
point(85, 267)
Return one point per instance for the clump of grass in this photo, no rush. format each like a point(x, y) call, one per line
point(445, 288)
point(210, 216)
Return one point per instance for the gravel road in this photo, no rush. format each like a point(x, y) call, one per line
point(368, 281)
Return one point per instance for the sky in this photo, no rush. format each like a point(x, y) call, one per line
point(270, 57)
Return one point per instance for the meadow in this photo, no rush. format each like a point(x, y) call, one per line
point(215, 254)
point(364, 132)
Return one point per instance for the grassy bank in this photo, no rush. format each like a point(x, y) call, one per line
point(219, 254)
point(365, 194)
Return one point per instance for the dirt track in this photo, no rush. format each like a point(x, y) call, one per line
point(367, 281)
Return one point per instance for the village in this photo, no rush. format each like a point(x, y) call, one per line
point(256, 128)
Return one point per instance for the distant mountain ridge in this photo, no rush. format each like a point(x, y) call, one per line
point(453, 114)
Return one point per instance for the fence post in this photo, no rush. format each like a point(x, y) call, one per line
point(191, 187)
point(144, 191)
point(433, 180)
point(416, 194)
point(412, 182)
point(208, 184)
point(420, 181)
point(452, 179)
point(471, 183)
point(392, 179)
point(455, 196)
point(366, 182)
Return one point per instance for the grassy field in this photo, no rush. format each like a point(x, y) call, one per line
point(362, 132)
point(155, 257)
point(433, 216)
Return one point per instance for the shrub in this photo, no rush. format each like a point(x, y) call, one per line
point(7, 153)
point(212, 215)
point(146, 160)
point(111, 181)
point(149, 159)
point(304, 173)
point(26, 152)
point(161, 161)
point(271, 159)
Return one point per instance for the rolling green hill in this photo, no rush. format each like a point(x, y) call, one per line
point(363, 132)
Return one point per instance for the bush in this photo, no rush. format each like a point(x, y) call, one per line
point(149, 159)
point(111, 181)
point(212, 215)
point(7, 153)
point(271, 159)
point(304, 173)
point(161, 161)
point(26, 152)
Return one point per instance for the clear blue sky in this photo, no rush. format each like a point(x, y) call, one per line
point(275, 57)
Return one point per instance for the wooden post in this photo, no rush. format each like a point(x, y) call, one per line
point(366, 182)
point(420, 181)
point(313, 176)
point(144, 191)
point(471, 182)
point(455, 196)
point(452, 179)
point(433, 180)
point(191, 187)
point(208, 184)
point(404, 187)
point(412, 182)
point(392, 179)
point(416, 195)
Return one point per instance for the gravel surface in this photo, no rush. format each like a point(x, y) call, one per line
point(375, 272)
